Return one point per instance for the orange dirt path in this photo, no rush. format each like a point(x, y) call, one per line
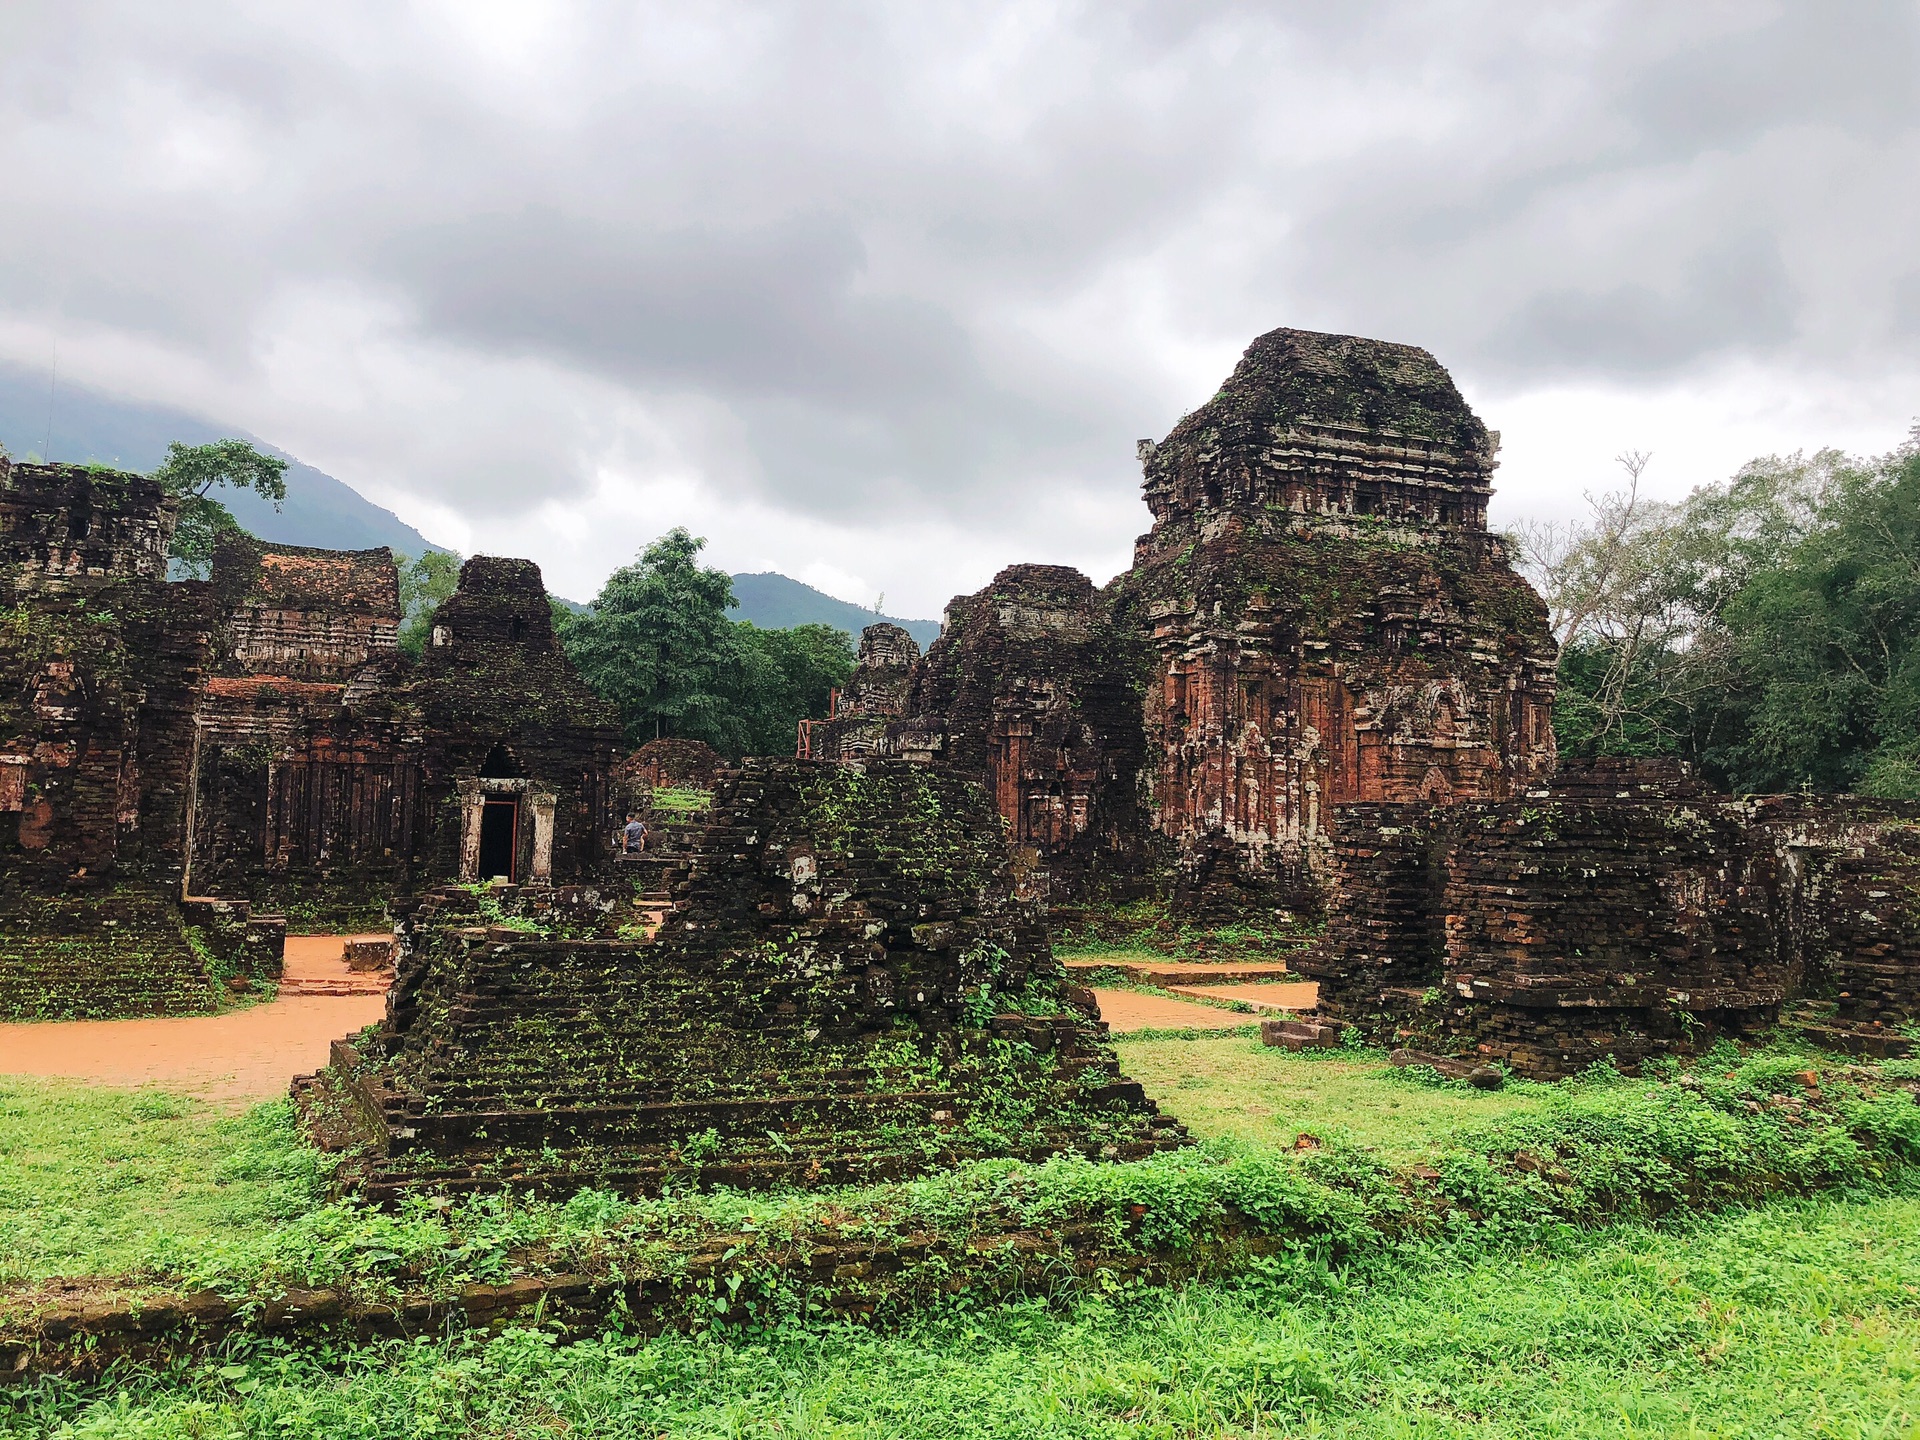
point(1125, 1010)
point(1296, 995)
point(233, 1059)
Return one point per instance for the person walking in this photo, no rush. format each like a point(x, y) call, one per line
point(636, 835)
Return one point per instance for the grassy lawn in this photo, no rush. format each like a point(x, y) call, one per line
point(100, 1181)
point(103, 1181)
point(1789, 1320)
point(1232, 1085)
point(1792, 1318)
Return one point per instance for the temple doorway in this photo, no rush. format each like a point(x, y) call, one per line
point(499, 837)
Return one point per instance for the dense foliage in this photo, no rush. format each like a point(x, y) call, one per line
point(193, 472)
point(657, 643)
point(425, 581)
point(1767, 629)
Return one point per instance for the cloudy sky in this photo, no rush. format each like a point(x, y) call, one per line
point(882, 295)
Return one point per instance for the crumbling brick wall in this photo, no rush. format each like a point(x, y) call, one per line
point(1551, 932)
point(854, 982)
point(72, 526)
point(372, 782)
point(257, 739)
point(508, 716)
point(317, 615)
point(672, 762)
point(1034, 691)
point(99, 660)
point(878, 693)
point(1331, 622)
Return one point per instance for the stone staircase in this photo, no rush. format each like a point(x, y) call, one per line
point(99, 955)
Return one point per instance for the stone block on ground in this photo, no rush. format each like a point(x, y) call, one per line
point(1301, 1034)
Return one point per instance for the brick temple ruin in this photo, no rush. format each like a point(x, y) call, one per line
point(181, 762)
point(1320, 688)
point(854, 983)
point(1318, 617)
point(1323, 686)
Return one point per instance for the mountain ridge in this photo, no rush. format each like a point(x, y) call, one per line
point(774, 601)
point(321, 510)
point(90, 425)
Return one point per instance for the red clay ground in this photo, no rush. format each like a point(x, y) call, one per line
point(1297, 995)
point(237, 1058)
point(1125, 1010)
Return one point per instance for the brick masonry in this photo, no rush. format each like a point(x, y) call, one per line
point(1548, 933)
point(1318, 617)
point(256, 740)
point(853, 983)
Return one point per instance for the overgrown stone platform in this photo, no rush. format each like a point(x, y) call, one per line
point(853, 984)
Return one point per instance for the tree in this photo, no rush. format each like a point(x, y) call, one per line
point(1767, 629)
point(657, 644)
point(1826, 620)
point(192, 471)
point(1623, 601)
point(789, 675)
point(424, 582)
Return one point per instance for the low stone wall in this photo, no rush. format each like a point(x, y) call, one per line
point(79, 1329)
point(1551, 932)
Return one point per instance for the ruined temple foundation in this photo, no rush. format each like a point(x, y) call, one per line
point(853, 983)
point(1554, 932)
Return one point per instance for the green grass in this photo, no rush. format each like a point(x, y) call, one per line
point(1229, 1084)
point(1144, 929)
point(679, 801)
point(100, 1181)
point(1798, 1319)
point(1484, 1309)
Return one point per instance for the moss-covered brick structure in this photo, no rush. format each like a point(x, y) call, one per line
point(1033, 689)
point(1323, 683)
point(853, 982)
point(255, 742)
point(1318, 617)
point(1614, 920)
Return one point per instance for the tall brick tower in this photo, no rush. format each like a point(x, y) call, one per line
point(1330, 619)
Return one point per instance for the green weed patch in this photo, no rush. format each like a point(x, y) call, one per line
point(1795, 1319)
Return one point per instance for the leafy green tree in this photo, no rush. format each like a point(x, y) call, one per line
point(425, 581)
point(789, 675)
point(1767, 629)
point(657, 643)
point(192, 472)
point(1826, 621)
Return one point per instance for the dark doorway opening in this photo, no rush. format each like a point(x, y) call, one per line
point(499, 838)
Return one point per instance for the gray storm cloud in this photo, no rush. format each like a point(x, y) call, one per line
point(924, 266)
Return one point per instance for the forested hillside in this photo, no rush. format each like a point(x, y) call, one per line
point(773, 601)
point(84, 425)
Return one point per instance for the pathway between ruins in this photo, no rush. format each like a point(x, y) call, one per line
point(1127, 1010)
point(232, 1059)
